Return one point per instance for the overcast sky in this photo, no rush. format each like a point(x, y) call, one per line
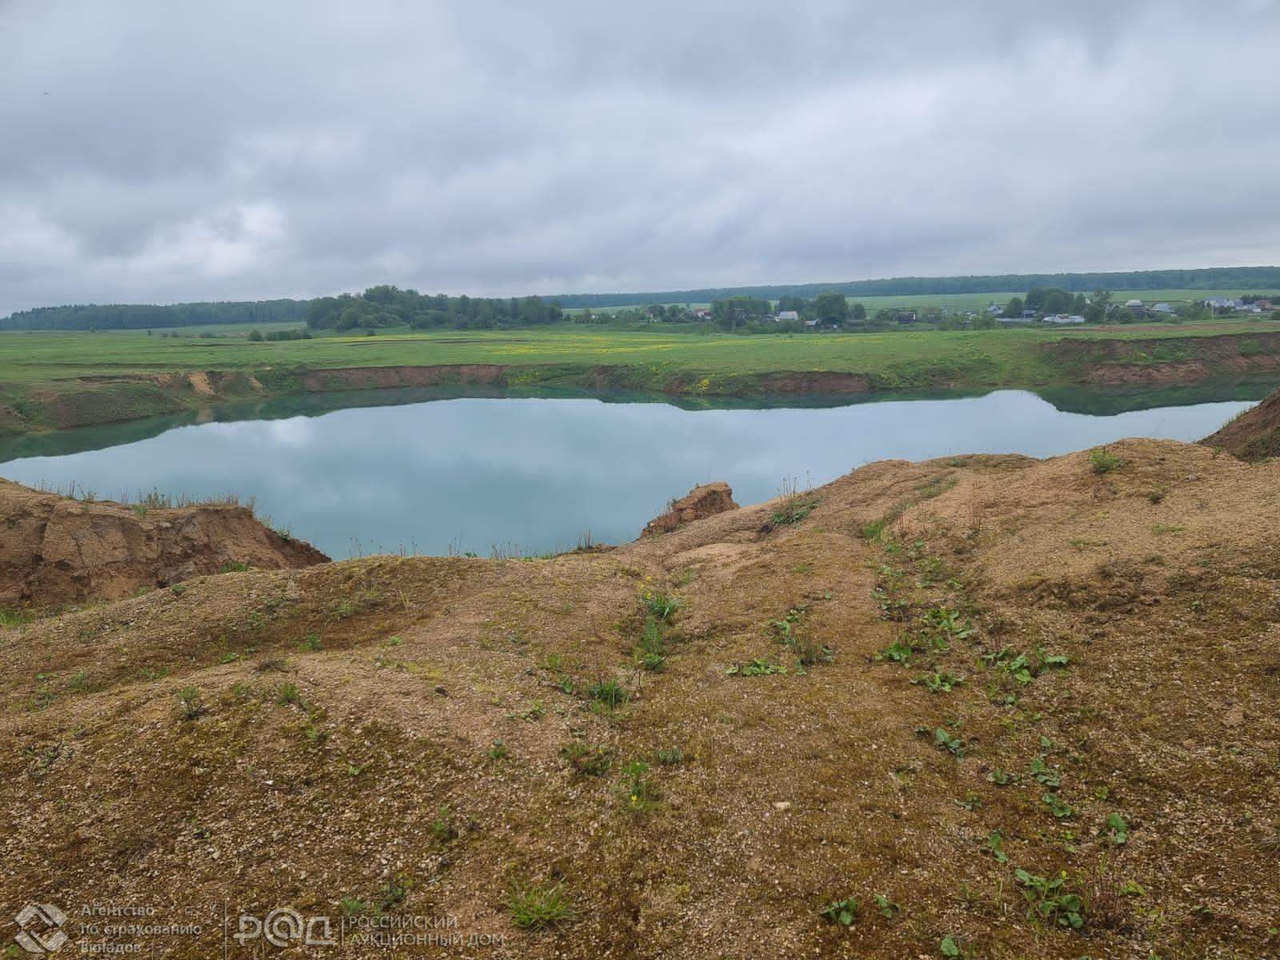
point(174, 150)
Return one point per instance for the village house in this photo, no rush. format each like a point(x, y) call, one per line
point(784, 315)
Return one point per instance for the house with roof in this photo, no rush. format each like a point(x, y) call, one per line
point(784, 315)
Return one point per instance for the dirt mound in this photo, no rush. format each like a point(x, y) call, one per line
point(1120, 362)
point(56, 550)
point(369, 378)
point(705, 500)
point(992, 706)
point(1254, 435)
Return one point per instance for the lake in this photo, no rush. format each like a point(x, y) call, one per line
point(534, 474)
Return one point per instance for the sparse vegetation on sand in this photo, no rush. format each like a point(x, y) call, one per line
point(976, 707)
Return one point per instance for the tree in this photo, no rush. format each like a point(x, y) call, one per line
point(1014, 307)
point(734, 312)
point(858, 312)
point(1098, 307)
point(1048, 300)
point(831, 307)
point(255, 335)
point(1079, 305)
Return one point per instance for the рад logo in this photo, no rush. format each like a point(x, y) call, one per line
point(40, 928)
point(283, 926)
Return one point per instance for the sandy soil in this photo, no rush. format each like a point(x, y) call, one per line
point(947, 685)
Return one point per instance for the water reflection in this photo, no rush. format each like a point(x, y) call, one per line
point(471, 473)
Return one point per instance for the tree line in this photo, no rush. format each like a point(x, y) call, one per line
point(1201, 279)
point(388, 306)
point(143, 316)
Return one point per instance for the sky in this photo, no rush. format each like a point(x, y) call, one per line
point(170, 150)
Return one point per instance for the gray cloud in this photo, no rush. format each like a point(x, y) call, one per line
point(164, 150)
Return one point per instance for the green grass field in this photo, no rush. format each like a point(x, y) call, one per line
point(43, 357)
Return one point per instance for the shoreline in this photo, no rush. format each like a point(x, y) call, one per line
point(99, 398)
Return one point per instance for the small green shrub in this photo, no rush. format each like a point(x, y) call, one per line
point(756, 667)
point(899, 651)
point(642, 793)
point(593, 761)
point(11, 617)
point(942, 625)
point(1057, 806)
point(661, 606)
point(670, 756)
point(843, 912)
point(792, 511)
point(534, 906)
point(953, 745)
point(442, 827)
point(1102, 460)
point(1117, 829)
point(940, 681)
point(392, 893)
point(1050, 899)
point(886, 907)
point(497, 752)
point(190, 703)
point(995, 846)
point(650, 652)
point(289, 694)
point(609, 693)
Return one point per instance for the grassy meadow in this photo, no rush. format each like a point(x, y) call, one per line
point(27, 357)
point(73, 378)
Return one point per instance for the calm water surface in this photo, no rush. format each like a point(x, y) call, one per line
point(472, 474)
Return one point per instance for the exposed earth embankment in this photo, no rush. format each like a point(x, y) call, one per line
point(1167, 360)
point(57, 550)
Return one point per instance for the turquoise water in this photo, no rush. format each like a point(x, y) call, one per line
point(531, 475)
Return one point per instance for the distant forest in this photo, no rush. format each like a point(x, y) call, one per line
point(387, 305)
point(140, 316)
point(1212, 278)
